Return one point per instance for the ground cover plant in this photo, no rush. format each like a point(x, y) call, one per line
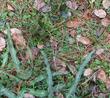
point(54, 48)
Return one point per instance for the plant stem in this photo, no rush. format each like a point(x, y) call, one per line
point(71, 93)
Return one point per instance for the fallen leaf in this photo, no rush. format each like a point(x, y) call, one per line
point(87, 14)
point(107, 83)
point(2, 43)
point(58, 65)
point(72, 5)
point(103, 95)
point(73, 23)
point(17, 37)
point(40, 46)
point(83, 40)
point(38, 4)
point(27, 56)
point(100, 31)
point(54, 43)
point(28, 95)
point(45, 9)
point(107, 40)
point(10, 7)
point(59, 95)
point(72, 32)
point(41, 6)
point(35, 51)
point(101, 75)
point(95, 90)
point(100, 13)
point(106, 4)
point(99, 51)
point(88, 72)
point(105, 22)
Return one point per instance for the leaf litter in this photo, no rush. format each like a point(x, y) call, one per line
point(100, 13)
point(41, 6)
point(2, 43)
point(17, 37)
point(76, 28)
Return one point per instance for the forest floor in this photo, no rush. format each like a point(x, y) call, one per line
point(54, 49)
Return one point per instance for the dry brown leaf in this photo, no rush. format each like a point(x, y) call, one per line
point(106, 4)
point(41, 6)
point(72, 32)
point(17, 37)
point(59, 95)
point(87, 14)
point(83, 40)
point(105, 22)
point(27, 56)
point(54, 43)
point(58, 65)
point(88, 72)
point(28, 95)
point(70, 24)
point(72, 5)
point(2, 43)
point(99, 51)
point(100, 13)
point(34, 51)
point(73, 23)
point(107, 83)
point(108, 39)
point(101, 75)
point(40, 46)
point(38, 4)
point(10, 7)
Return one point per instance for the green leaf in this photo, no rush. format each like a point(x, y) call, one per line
point(24, 74)
point(12, 49)
point(38, 93)
point(6, 92)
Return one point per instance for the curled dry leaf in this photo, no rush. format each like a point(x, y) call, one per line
point(28, 95)
point(101, 75)
point(105, 22)
point(100, 13)
point(72, 4)
point(41, 6)
point(73, 23)
point(58, 65)
point(2, 43)
point(88, 72)
point(17, 37)
point(106, 4)
point(83, 40)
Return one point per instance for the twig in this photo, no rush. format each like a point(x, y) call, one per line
point(50, 81)
point(71, 93)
